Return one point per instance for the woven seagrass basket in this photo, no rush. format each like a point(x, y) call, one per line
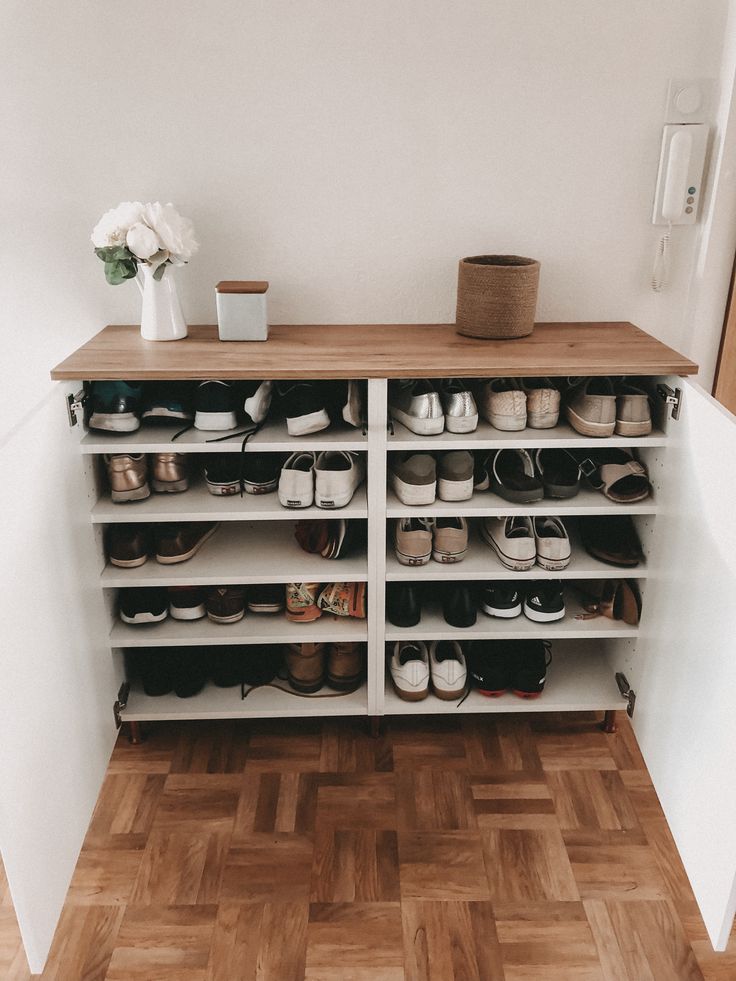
point(496, 296)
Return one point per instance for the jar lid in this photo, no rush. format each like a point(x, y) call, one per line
point(241, 286)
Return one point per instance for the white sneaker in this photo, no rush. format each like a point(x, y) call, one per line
point(353, 411)
point(512, 539)
point(257, 400)
point(337, 475)
point(552, 543)
point(448, 669)
point(416, 405)
point(410, 670)
point(503, 404)
point(296, 482)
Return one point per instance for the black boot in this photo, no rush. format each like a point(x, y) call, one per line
point(404, 603)
point(458, 604)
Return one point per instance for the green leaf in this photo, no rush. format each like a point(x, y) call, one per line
point(114, 253)
point(160, 270)
point(117, 272)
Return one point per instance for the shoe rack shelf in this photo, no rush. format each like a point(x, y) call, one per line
point(255, 543)
point(197, 504)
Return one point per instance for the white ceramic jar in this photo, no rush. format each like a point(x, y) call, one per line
point(241, 310)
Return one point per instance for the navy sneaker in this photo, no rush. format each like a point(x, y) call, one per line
point(115, 406)
point(501, 599)
point(489, 667)
point(222, 474)
point(305, 407)
point(215, 405)
point(545, 601)
point(528, 662)
point(168, 400)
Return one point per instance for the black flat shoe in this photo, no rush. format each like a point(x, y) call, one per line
point(404, 603)
point(459, 605)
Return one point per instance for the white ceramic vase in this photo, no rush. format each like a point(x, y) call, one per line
point(161, 315)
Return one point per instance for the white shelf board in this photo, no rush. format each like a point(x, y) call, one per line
point(486, 503)
point(273, 437)
point(226, 703)
point(433, 626)
point(241, 553)
point(254, 628)
point(481, 563)
point(576, 682)
point(197, 504)
point(487, 437)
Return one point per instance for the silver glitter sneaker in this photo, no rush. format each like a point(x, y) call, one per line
point(461, 412)
point(416, 405)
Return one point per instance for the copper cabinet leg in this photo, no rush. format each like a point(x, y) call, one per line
point(609, 721)
point(135, 736)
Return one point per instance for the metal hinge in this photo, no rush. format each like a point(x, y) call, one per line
point(75, 404)
point(627, 691)
point(671, 397)
point(120, 702)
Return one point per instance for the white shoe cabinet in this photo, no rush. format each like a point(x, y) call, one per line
point(680, 661)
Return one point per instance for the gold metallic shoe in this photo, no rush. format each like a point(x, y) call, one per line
point(128, 477)
point(169, 472)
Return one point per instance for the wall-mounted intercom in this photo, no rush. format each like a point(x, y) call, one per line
point(680, 178)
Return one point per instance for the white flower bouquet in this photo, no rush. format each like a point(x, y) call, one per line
point(154, 234)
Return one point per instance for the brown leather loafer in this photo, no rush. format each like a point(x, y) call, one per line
point(226, 604)
point(345, 666)
point(169, 472)
point(305, 666)
point(177, 543)
point(129, 545)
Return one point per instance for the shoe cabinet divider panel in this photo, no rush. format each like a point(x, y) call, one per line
point(255, 543)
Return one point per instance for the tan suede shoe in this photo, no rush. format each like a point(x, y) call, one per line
point(345, 666)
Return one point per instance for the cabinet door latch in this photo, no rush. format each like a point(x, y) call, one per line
point(75, 404)
point(672, 398)
point(120, 702)
point(627, 691)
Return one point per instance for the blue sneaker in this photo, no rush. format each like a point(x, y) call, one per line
point(168, 400)
point(115, 406)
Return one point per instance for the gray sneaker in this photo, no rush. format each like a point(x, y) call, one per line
point(591, 407)
point(455, 476)
point(633, 415)
point(413, 477)
point(542, 402)
point(416, 405)
point(461, 412)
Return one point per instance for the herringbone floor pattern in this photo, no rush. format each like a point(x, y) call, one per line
point(473, 849)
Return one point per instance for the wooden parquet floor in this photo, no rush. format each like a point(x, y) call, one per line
point(474, 849)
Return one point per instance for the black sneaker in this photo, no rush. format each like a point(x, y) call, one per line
point(262, 664)
point(458, 604)
point(261, 472)
point(222, 474)
point(528, 661)
point(143, 605)
point(215, 405)
point(226, 665)
point(115, 406)
point(501, 599)
point(270, 598)
point(256, 397)
point(191, 669)
point(305, 407)
point(488, 667)
point(155, 667)
point(164, 400)
point(545, 601)
point(404, 603)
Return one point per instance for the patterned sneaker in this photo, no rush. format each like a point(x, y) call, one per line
point(542, 402)
point(344, 599)
point(301, 601)
point(503, 404)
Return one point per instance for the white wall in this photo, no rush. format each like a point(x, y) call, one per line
point(349, 152)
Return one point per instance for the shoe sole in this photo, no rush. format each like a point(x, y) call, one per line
point(507, 561)
point(461, 424)
point(344, 684)
point(303, 689)
point(413, 559)
point(455, 490)
point(215, 421)
point(231, 618)
point(517, 497)
point(267, 487)
point(115, 422)
point(137, 494)
point(507, 424)
point(162, 413)
point(542, 420)
point(170, 486)
point(415, 495)
point(187, 612)
point(539, 617)
point(490, 693)
point(633, 428)
point(410, 696)
point(561, 491)
point(305, 617)
point(422, 427)
point(504, 614)
point(266, 607)
point(129, 563)
point(552, 565)
point(447, 695)
point(447, 557)
point(586, 428)
point(330, 503)
point(144, 617)
point(526, 694)
point(173, 559)
point(313, 422)
point(223, 490)
point(461, 626)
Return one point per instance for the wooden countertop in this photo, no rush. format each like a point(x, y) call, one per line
point(375, 351)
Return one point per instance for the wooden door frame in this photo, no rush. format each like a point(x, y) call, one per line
point(724, 382)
